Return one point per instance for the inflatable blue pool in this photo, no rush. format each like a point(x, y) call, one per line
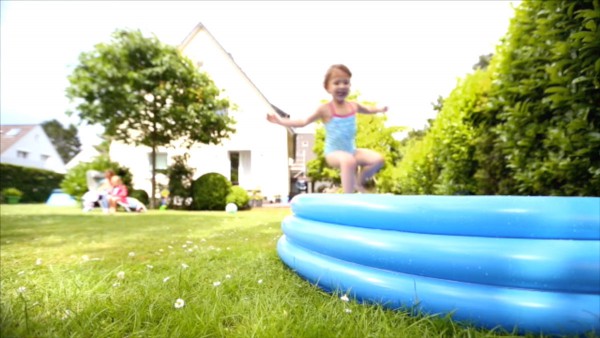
point(525, 263)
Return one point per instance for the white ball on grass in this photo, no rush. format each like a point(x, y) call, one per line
point(231, 208)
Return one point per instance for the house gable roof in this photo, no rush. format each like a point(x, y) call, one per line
point(200, 27)
point(12, 133)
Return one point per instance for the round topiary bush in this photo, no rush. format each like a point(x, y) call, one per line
point(209, 192)
point(239, 196)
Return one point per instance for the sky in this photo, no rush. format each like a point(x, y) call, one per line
point(403, 54)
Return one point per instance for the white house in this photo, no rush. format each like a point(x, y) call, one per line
point(28, 146)
point(259, 153)
point(86, 155)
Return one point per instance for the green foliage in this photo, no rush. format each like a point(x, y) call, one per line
point(417, 172)
point(545, 97)
point(12, 192)
point(65, 140)
point(453, 134)
point(442, 160)
point(529, 123)
point(210, 192)
point(144, 92)
point(36, 184)
point(180, 177)
point(8, 193)
point(75, 181)
point(239, 196)
point(141, 195)
point(371, 134)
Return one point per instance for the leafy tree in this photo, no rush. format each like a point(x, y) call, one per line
point(65, 140)
point(371, 134)
point(144, 92)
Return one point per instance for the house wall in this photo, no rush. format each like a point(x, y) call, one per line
point(41, 153)
point(262, 145)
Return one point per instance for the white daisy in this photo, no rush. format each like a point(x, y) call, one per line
point(179, 303)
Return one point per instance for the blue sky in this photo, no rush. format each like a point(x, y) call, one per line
point(403, 54)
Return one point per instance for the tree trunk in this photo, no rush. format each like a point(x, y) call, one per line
point(153, 194)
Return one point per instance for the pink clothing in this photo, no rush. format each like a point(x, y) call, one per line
point(120, 191)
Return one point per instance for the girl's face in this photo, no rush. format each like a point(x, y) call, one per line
point(339, 85)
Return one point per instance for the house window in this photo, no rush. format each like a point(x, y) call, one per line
point(304, 144)
point(44, 158)
point(161, 161)
point(234, 159)
point(22, 154)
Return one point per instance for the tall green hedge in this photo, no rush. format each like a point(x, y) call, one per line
point(36, 184)
point(527, 125)
point(546, 98)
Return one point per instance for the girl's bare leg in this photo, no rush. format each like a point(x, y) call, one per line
point(112, 205)
point(347, 164)
point(370, 162)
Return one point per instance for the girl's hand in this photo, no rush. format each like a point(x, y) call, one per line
point(274, 118)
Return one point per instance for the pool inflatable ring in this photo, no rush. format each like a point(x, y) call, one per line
point(525, 263)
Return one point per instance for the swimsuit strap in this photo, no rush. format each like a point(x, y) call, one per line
point(333, 111)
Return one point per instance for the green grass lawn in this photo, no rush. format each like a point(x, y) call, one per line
point(173, 274)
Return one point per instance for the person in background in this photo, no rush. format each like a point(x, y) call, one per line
point(99, 187)
point(118, 194)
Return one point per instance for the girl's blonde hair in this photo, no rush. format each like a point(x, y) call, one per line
point(330, 71)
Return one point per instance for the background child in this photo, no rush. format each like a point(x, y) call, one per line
point(339, 118)
point(118, 193)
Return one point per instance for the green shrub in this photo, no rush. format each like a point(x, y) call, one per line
point(180, 182)
point(36, 184)
point(10, 192)
point(141, 195)
point(239, 196)
point(209, 192)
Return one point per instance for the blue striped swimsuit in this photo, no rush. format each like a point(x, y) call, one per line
point(340, 132)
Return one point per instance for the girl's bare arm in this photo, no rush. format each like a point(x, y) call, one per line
point(370, 110)
point(275, 118)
